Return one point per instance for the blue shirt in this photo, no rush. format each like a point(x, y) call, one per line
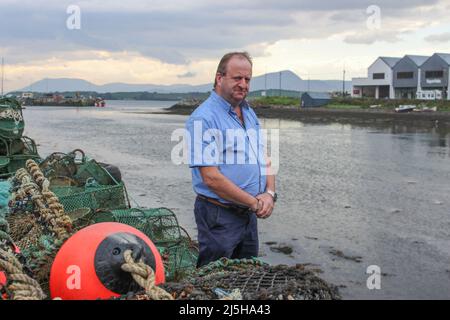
point(216, 137)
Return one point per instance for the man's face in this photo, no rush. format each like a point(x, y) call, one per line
point(235, 84)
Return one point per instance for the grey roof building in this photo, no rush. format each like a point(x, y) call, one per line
point(314, 99)
point(390, 61)
point(407, 75)
point(435, 72)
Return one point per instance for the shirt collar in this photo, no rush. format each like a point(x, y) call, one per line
point(225, 104)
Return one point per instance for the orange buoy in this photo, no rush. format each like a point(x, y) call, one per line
point(2, 279)
point(88, 265)
point(3, 282)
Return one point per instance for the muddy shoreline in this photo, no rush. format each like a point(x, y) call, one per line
point(325, 115)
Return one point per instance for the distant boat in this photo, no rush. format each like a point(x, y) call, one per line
point(100, 103)
point(405, 108)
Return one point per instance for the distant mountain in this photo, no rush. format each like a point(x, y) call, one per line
point(289, 81)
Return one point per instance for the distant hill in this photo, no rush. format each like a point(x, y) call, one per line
point(289, 81)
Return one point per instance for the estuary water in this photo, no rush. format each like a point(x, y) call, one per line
point(349, 197)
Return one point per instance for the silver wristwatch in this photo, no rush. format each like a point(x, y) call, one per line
point(273, 194)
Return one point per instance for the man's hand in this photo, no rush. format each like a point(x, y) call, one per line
point(267, 205)
point(257, 205)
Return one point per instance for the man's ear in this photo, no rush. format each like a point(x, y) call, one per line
point(219, 78)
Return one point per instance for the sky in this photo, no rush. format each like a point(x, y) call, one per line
point(179, 41)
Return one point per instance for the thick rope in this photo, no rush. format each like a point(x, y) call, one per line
point(50, 209)
point(20, 285)
point(145, 277)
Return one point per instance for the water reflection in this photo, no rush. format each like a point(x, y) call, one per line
point(436, 137)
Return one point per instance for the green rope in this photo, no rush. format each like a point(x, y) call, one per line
point(5, 236)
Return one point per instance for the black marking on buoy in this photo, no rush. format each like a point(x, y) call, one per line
point(109, 259)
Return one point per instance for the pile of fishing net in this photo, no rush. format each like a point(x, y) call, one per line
point(248, 279)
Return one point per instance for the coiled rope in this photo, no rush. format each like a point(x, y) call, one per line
point(19, 286)
point(145, 277)
point(34, 184)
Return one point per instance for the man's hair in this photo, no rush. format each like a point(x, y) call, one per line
point(222, 67)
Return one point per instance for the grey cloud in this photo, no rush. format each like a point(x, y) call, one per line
point(188, 74)
point(371, 37)
point(327, 5)
point(176, 32)
point(358, 16)
point(443, 37)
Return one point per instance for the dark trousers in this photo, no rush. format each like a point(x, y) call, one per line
point(224, 233)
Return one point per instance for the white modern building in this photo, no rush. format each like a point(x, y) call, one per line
point(379, 82)
point(410, 77)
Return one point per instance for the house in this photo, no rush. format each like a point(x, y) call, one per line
point(435, 74)
point(315, 99)
point(27, 95)
point(407, 76)
point(379, 82)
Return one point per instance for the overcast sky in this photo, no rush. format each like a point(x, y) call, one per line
point(167, 42)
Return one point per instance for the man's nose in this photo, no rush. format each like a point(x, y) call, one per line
point(243, 83)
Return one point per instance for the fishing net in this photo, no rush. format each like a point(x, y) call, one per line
point(94, 198)
point(250, 279)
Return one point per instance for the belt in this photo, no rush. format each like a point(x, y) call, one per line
point(232, 207)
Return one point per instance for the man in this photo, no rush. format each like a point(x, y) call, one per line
point(230, 196)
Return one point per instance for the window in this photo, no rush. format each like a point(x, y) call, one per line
point(434, 74)
point(377, 76)
point(405, 75)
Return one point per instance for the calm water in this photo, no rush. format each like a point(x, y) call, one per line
point(378, 195)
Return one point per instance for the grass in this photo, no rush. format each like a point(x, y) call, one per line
point(276, 101)
point(353, 103)
point(444, 108)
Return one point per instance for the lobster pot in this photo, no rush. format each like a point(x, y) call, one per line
point(82, 183)
point(95, 198)
point(14, 154)
point(11, 119)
